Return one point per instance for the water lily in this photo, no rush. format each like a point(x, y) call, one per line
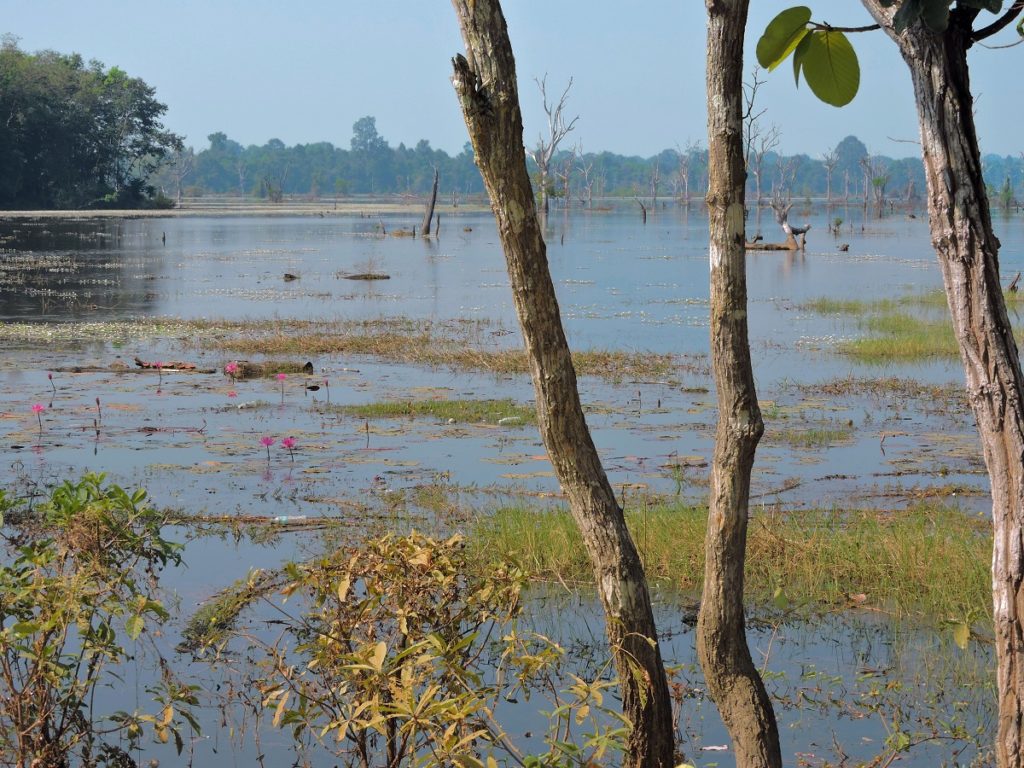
point(267, 441)
point(289, 443)
point(49, 375)
point(231, 369)
point(281, 377)
point(38, 409)
point(232, 393)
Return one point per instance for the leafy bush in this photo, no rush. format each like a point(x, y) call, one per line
point(79, 580)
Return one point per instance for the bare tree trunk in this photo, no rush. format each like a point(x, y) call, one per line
point(486, 87)
point(961, 228)
point(430, 208)
point(732, 679)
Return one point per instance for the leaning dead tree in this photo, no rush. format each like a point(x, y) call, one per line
point(731, 676)
point(485, 82)
point(428, 214)
point(547, 146)
point(782, 210)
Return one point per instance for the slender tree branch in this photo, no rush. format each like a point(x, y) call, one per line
point(1003, 21)
point(826, 27)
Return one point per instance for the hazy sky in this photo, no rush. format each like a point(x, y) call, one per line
point(305, 71)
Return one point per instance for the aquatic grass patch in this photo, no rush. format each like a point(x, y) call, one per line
point(504, 411)
point(463, 344)
point(895, 333)
point(931, 559)
point(902, 337)
point(821, 436)
point(465, 348)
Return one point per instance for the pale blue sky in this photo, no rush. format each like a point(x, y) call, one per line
point(307, 70)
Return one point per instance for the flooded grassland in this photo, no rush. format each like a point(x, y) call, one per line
point(273, 407)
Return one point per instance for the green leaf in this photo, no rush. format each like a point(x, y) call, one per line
point(1020, 28)
point(782, 35)
point(830, 68)
point(906, 15)
point(961, 635)
point(992, 6)
point(936, 15)
point(798, 58)
point(133, 626)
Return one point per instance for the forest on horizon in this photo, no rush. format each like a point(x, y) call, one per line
point(75, 134)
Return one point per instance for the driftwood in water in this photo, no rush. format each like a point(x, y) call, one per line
point(368, 276)
point(246, 369)
point(430, 207)
point(791, 244)
point(176, 366)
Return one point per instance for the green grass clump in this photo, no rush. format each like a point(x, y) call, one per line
point(814, 437)
point(930, 560)
point(465, 411)
point(895, 334)
point(899, 336)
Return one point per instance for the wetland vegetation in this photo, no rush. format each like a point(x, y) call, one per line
point(868, 501)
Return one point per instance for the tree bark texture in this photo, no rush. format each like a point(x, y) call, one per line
point(485, 82)
point(732, 679)
point(967, 250)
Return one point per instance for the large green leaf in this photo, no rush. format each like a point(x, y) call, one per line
point(992, 6)
point(906, 14)
point(936, 15)
point(830, 67)
point(782, 35)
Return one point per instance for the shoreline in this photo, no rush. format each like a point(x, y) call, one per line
point(362, 209)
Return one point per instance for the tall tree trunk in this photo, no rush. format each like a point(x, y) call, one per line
point(429, 214)
point(486, 87)
point(731, 677)
point(961, 228)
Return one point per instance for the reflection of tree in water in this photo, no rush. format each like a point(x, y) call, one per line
point(74, 270)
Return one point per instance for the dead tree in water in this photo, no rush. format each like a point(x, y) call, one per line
point(430, 208)
point(782, 217)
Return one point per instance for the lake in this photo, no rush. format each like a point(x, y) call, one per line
point(82, 298)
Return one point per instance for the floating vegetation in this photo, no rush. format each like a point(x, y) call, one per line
point(505, 412)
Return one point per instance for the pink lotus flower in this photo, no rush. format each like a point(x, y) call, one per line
point(289, 443)
point(38, 409)
point(232, 393)
point(231, 369)
point(267, 441)
point(281, 377)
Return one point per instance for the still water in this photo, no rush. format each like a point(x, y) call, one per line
point(194, 439)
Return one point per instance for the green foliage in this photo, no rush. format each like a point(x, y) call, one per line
point(829, 64)
point(782, 35)
point(77, 584)
point(399, 654)
point(824, 54)
point(75, 135)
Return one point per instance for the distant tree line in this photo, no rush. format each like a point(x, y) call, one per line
point(75, 134)
point(847, 172)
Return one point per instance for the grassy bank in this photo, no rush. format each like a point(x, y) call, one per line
point(930, 560)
